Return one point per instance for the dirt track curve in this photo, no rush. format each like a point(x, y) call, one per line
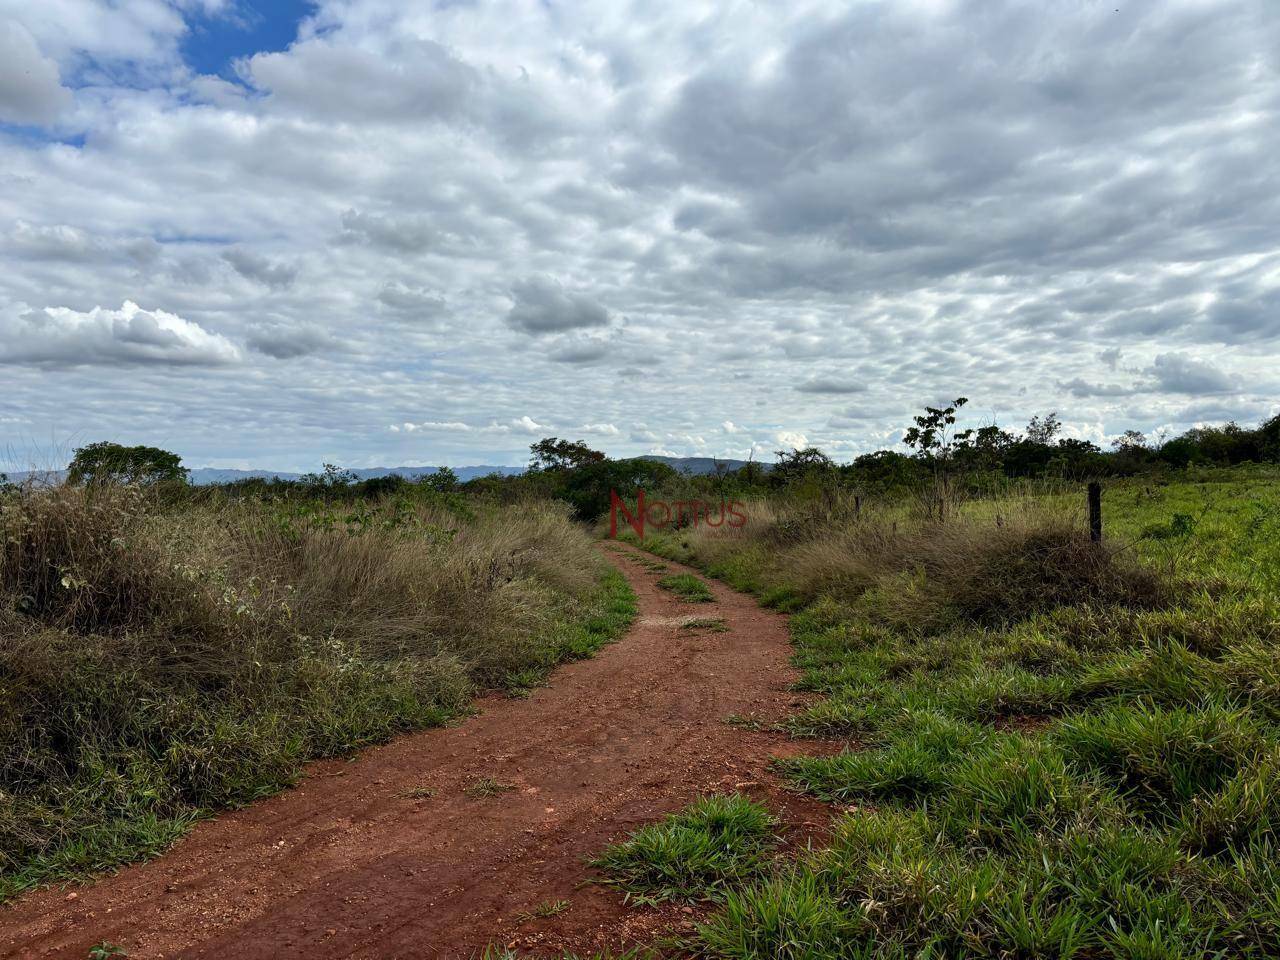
point(351, 864)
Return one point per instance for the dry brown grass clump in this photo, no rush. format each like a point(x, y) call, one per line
point(970, 569)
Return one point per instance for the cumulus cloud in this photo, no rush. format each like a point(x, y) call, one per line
point(1178, 373)
point(581, 351)
point(70, 244)
point(60, 336)
point(542, 305)
point(31, 89)
point(413, 81)
point(285, 342)
point(834, 385)
point(411, 302)
point(249, 265)
point(408, 234)
point(1079, 387)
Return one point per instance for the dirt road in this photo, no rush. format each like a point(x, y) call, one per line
point(436, 844)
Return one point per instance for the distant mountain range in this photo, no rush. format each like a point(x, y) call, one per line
point(206, 475)
point(701, 465)
point(202, 476)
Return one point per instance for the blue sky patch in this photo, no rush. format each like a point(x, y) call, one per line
point(213, 44)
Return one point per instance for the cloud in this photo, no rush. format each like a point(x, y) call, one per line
point(541, 305)
point(60, 336)
point(410, 302)
point(831, 385)
point(1079, 387)
point(526, 424)
point(31, 88)
point(581, 352)
point(277, 276)
point(285, 342)
point(449, 426)
point(1178, 373)
point(409, 234)
point(415, 80)
point(61, 242)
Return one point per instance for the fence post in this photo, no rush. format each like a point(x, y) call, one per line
point(1095, 511)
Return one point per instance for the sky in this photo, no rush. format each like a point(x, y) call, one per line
point(369, 232)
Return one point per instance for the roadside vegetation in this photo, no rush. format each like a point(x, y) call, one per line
point(166, 652)
point(1054, 747)
point(697, 854)
point(687, 587)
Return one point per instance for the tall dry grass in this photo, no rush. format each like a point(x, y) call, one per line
point(993, 564)
point(158, 660)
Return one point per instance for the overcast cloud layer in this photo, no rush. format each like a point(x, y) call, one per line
point(433, 235)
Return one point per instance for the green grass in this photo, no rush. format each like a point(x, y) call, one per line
point(1048, 767)
point(687, 587)
point(696, 854)
point(544, 910)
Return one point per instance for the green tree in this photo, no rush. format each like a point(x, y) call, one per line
point(444, 480)
point(107, 462)
point(796, 466)
point(552, 453)
point(936, 441)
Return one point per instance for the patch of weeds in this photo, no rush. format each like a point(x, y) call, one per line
point(544, 910)
point(697, 854)
point(687, 587)
point(104, 951)
point(746, 722)
point(419, 793)
point(480, 788)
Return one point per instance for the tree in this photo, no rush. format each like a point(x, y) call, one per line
point(794, 466)
point(552, 453)
point(1044, 429)
point(1129, 442)
point(936, 441)
point(106, 462)
point(444, 480)
point(934, 437)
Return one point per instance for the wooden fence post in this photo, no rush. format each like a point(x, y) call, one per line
point(1095, 511)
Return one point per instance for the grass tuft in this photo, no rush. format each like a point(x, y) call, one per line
point(687, 587)
point(695, 854)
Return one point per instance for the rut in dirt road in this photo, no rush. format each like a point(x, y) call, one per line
point(436, 844)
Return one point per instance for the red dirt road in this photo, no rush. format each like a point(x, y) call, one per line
point(351, 864)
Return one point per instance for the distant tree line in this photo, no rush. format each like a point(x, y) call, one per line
point(938, 458)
